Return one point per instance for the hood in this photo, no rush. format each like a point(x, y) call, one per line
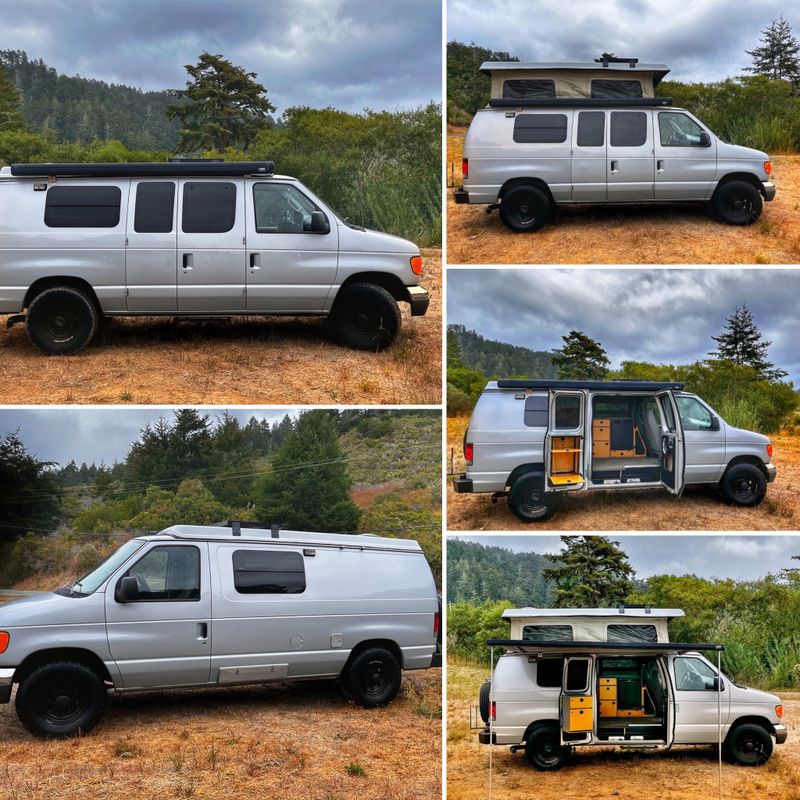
point(741, 436)
point(727, 150)
point(367, 241)
point(49, 608)
point(749, 695)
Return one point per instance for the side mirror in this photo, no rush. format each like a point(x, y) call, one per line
point(714, 423)
point(127, 590)
point(319, 223)
point(716, 686)
point(705, 139)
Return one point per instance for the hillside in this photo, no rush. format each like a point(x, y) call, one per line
point(498, 359)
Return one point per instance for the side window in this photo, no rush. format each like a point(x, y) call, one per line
point(208, 207)
point(577, 675)
point(623, 88)
point(693, 675)
point(281, 208)
point(694, 415)
point(549, 672)
point(168, 573)
point(155, 204)
point(628, 128)
point(678, 130)
point(536, 410)
point(540, 128)
point(591, 128)
point(82, 207)
point(631, 633)
point(548, 633)
point(523, 89)
point(268, 572)
point(669, 416)
point(567, 412)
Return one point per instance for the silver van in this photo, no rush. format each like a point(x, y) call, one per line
point(80, 242)
point(220, 606)
point(605, 677)
point(594, 133)
point(534, 441)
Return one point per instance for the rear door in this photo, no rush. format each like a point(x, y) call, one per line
point(577, 700)
point(630, 157)
point(685, 168)
point(589, 179)
point(673, 455)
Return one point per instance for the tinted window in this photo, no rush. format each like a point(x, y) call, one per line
point(591, 128)
point(548, 633)
point(693, 675)
point(568, 411)
point(525, 89)
point(281, 208)
point(168, 573)
point(607, 88)
point(536, 411)
point(82, 207)
point(694, 415)
point(154, 206)
point(208, 207)
point(549, 672)
point(540, 128)
point(628, 128)
point(267, 572)
point(577, 675)
point(631, 633)
point(678, 130)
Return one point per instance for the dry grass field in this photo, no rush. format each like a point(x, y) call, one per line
point(697, 509)
point(243, 360)
point(685, 773)
point(627, 234)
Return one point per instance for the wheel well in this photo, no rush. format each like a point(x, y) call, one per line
point(540, 723)
point(522, 469)
point(762, 721)
point(537, 182)
point(37, 287)
point(386, 644)
point(85, 657)
point(754, 460)
point(387, 280)
point(740, 176)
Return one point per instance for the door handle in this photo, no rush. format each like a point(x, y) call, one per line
point(615, 166)
point(255, 261)
point(188, 262)
point(202, 631)
point(660, 165)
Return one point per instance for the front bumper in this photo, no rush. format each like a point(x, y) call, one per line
point(768, 189)
point(781, 732)
point(419, 299)
point(6, 684)
point(772, 472)
point(461, 196)
point(462, 484)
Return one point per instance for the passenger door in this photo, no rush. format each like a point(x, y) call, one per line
point(151, 241)
point(564, 445)
point(696, 702)
point(672, 445)
point(290, 268)
point(577, 700)
point(589, 179)
point(211, 260)
point(705, 441)
point(685, 167)
point(630, 158)
point(163, 638)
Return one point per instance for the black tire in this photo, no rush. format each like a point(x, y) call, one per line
point(525, 208)
point(483, 700)
point(61, 320)
point(544, 750)
point(372, 678)
point(366, 317)
point(529, 502)
point(743, 485)
point(737, 203)
point(59, 700)
point(749, 744)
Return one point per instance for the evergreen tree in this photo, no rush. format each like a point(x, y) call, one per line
point(779, 55)
point(741, 343)
point(308, 487)
point(590, 572)
point(225, 106)
point(581, 358)
point(10, 116)
point(455, 358)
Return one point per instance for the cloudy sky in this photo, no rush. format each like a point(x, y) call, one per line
point(701, 41)
point(729, 556)
point(349, 54)
point(98, 434)
point(658, 315)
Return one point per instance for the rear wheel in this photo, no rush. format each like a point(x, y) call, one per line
point(373, 678)
point(749, 744)
point(544, 750)
point(743, 485)
point(366, 317)
point(61, 320)
point(530, 502)
point(525, 208)
point(737, 203)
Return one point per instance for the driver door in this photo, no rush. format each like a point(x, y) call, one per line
point(673, 455)
point(577, 700)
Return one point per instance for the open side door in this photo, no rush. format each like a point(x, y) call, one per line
point(576, 702)
point(564, 443)
point(673, 453)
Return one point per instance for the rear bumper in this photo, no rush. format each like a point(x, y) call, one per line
point(772, 472)
point(483, 737)
point(436, 659)
point(781, 732)
point(6, 684)
point(768, 190)
point(419, 299)
point(462, 484)
point(461, 196)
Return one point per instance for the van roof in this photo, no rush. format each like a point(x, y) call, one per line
point(620, 611)
point(658, 71)
point(143, 169)
point(628, 386)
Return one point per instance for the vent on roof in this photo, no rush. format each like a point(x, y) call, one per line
point(622, 608)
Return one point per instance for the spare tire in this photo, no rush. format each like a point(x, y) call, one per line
point(483, 699)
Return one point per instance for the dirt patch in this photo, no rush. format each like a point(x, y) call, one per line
point(300, 740)
point(685, 773)
point(244, 360)
point(674, 234)
point(698, 508)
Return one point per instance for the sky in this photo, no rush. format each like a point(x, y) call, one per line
point(349, 54)
point(704, 40)
point(729, 556)
point(96, 435)
point(658, 315)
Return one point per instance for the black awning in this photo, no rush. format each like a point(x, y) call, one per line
point(628, 386)
point(145, 169)
point(570, 648)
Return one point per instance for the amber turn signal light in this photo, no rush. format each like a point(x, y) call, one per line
point(769, 449)
point(779, 711)
point(5, 638)
point(768, 167)
point(416, 265)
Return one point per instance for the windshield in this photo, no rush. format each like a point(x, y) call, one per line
point(91, 582)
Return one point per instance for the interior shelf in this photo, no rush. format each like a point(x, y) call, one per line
point(566, 479)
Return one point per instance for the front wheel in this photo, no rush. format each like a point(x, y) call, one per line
point(61, 320)
point(373, 678)
point(544, 750)
point(525, 208)
point(737, 203)
point(365, 316)
point(529, 501)
point(743, 485)
point(749, 744)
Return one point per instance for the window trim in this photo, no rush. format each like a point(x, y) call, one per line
point(197, 599)
point(289, 186)
point(270, 552)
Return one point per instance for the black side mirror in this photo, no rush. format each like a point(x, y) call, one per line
point(705, 139)
point(319, 223)
point(127, 590)
point(714, 423)
point(716, 686)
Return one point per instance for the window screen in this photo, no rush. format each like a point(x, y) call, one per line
point(631, 633)
point(540, 128)
point(536, 411)
point(168, 573)
point(154, 206)
point(522, 90)
point(82, 207)
point(608, 88)
point(628, 128)
point(548, 633)
point(208, 207)
point(549, 672)
point(591, 128)
point(266, 572)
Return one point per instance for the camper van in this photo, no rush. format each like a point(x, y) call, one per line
point(189, 238)
point(222, 606)
point(595, 133)
point(534, 441)
point(606, 677)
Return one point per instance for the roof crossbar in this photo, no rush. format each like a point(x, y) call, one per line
point(610, 58)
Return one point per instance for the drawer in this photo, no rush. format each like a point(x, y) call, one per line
point(630, 712)
point(601, 449)
point(580, 720)
point(608, 708)
point(581, 702)
point(608, 692)
point(608, 681)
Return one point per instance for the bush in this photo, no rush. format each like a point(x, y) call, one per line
point(469, 626)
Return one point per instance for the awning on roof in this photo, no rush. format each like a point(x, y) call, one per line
point(614, 648)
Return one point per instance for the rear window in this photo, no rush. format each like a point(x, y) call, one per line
point(628, 128)
point(82, 207)
point(208, 207)
point(540, 128)
point(591, 128)
point(526, 89)
point(267, 572)
point(536, 411)
point(154, 207)
point(622, 88)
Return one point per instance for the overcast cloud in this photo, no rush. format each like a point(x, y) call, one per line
point(350, 54)
point(729, 556)
point(659, 315)
point(704, 40)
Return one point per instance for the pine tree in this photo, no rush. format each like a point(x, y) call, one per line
point(10, 116)
point(226, 107)
point(779, 55)
point(591, 572)
point(741, 343)
point(581, 358)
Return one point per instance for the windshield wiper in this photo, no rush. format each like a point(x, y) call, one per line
point(352, 225)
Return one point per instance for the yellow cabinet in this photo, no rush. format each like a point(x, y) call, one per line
point(608, 692)
point(608, 708)
point(580, 702)
point(580, 720)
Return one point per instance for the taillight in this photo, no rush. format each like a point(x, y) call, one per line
point(468, 453)
point(465, 167)
point(768, 167)
point(5, 638)
point(436, 624)
point(779, 711)
point(493, 710)
point(769, 449)
point(416, 265)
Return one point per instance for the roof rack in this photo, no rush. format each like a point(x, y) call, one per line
point(610, 58)
point(146, 169)
point(582, 102)
point(236, 526)
point(630, 386)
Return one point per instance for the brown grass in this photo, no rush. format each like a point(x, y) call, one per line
point(678, 234)
point(243, 360)
point(288, 741)
point(685, 773)
point(697, 509)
